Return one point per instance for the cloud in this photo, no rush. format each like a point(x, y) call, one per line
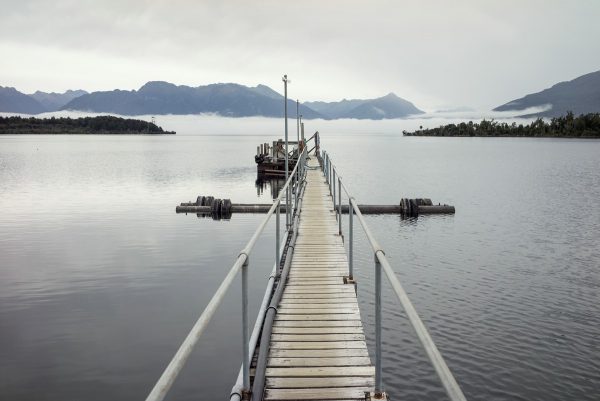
point(435, 53)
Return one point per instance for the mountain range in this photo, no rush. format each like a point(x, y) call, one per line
point(13, 101)
point(389, 106)
point(580, 95)
point(226, 99)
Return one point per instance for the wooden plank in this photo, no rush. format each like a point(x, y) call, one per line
point(318, 344)
point(316, 311)
point(336, 275)
point(314, 280)
point(323, 265)
point(340, 393)
point(305, 362)
point(322, 295)
point(286, 306)
point(317, 323)
point(293, 303)
point(321, 371)
point(318, 353)
point(317, 337)
point(329, 288)
point(318, 330)
point(331, 316)
point(319, 382)
point(317, 269)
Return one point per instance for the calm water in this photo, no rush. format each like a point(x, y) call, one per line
point(100, 280)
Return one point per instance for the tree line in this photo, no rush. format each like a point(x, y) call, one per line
point(583, 126)
point(83, 125)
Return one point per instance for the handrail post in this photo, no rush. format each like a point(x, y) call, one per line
point(340, 203)
point(277, 235)
point(351, 235)
point(378, 380)
point(287, 208)
point(331, 172)
point(296, 187)
point(332, 186)
point(245, 336)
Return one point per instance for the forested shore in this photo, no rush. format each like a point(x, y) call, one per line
point(101, 125)
point(568, 126)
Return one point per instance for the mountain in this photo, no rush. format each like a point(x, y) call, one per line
point(54, 101)
point(13, 101)
point(389, 106)
point(159, 97)
point(581, 96)
point(225, 99)
point(335, 109)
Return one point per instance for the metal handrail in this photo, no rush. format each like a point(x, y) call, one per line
point(450, 384)
point(166, 380)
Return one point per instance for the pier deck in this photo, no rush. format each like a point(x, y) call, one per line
point(317, 347)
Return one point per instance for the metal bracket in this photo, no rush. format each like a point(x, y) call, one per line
point(376, 396)
point(246, 395)
point(349, 280)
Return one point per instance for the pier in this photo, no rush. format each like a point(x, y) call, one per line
point(308, 340)
point(317, 346)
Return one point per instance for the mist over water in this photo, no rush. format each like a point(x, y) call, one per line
point(100, 280)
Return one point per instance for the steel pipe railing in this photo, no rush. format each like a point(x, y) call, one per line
point(450, 384)
point(242, 262)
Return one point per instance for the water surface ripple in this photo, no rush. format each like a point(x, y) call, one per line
point(100, 280)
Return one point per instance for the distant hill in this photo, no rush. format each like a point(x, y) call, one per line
point(54, 101)
point(389, 106)
point(101, 125)
point(13, 101)
point(159, 97)
point(581, 96)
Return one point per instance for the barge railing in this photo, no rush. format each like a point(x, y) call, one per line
point(450, 384)
point(242, 263)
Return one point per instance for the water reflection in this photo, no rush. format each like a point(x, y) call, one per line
point(268, 184)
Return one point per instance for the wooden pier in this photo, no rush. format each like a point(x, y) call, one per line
point(308, 341)
point(317, 346)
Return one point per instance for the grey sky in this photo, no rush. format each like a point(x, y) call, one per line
point(435, 53)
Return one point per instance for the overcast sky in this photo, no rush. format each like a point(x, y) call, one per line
point(437, 54)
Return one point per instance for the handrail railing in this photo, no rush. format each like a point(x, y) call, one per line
point(242, 262)
point(450, 384)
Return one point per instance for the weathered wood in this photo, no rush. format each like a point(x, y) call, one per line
point(317, 337)
point(324, 316)
point(317, 323)
point(284, 307)
point(293, 302)
point(306, 362)
point(319, 382)
point(340, 309)
point(342, 393)
point(317, 345)
point(330, 371)
point(317, 330)
point(318, 353)
point(316, 296)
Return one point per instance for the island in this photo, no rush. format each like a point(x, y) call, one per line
point(101, 125)
point(568, 126)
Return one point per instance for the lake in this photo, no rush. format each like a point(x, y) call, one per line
point(100, 279)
